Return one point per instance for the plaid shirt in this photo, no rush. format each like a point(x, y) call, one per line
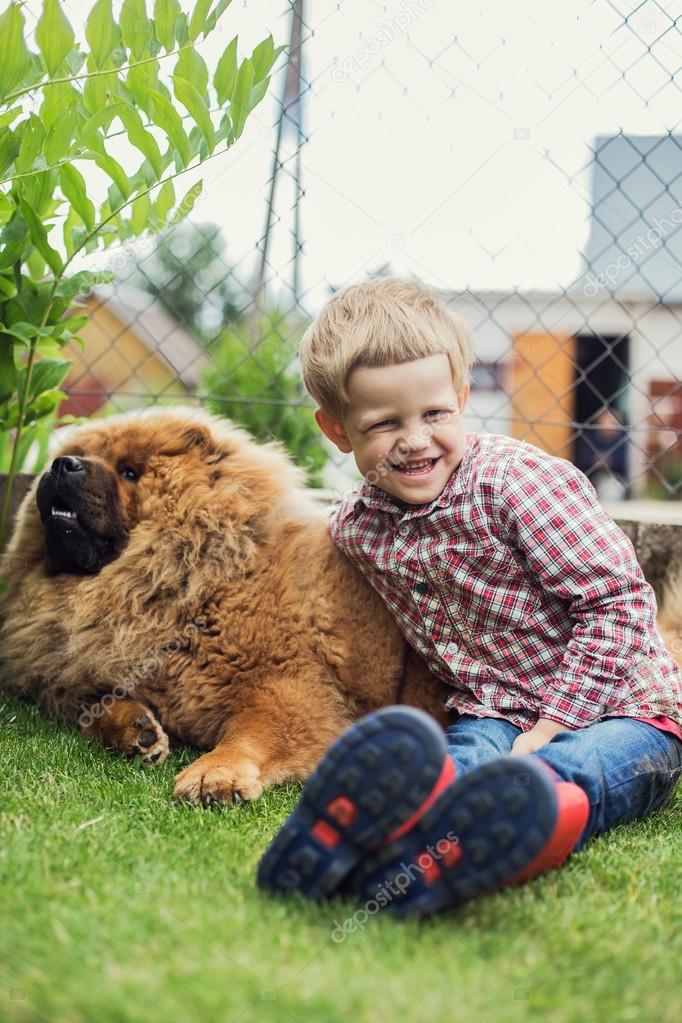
point(518, 589)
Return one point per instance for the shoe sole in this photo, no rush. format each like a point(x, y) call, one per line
point(370, 781)
point(493, 821)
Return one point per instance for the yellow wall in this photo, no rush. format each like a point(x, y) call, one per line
point(541, 387)
point(119, 360)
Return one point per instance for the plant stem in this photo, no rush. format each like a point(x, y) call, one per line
point(4, 514)
point(23, 402)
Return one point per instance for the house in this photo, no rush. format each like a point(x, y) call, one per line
point(133, 351)
point(556, 366)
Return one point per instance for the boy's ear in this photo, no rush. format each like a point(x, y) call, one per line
point(334, 430)
point(463, 397)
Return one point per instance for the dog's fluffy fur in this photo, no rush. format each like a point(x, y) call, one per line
point(203, 601)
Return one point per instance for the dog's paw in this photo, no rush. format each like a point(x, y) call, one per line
point(210, 780)
point(147, 739)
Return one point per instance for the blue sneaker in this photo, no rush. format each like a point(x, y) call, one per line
point(501, 823)
point(371, 786)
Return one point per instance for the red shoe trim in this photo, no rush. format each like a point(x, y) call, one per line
point(451, 854)
point(342, 810)
point(447, 776)
point(572, 812)
point(325, 833)
point(428, 866)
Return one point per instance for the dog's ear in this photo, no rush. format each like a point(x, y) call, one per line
point(197, 436)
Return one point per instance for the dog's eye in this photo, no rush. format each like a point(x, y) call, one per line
point(128, 473)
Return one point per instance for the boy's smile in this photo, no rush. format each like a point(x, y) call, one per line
point(403, 426)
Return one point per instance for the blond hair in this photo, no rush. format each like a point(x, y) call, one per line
point(381, 322)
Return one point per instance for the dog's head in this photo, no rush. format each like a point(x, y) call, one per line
point(175, 469)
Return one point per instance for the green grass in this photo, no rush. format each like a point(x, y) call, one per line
point(118, 905)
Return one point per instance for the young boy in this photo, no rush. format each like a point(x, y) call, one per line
point(502, 569)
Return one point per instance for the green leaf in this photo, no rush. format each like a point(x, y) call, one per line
point(13, 240)
point(257, 93)
point(15, 59)
point(44, 405)
point(164, 114)
point(136, 29)
point(72, 324)
point(54, 35)
point(8, 288)
point(186, 204)
point(48, 374)
point(8, 371)
point(36, 264)
point(239, 104)
point(181, 29)
point(32, 134)
point(226, 73)
point(90, 132)
point(192, 100)
point(193, 67)
point(73, 186)
point(102, 32)
point(21, 332)
point(112, 168)
point(262, 58)
point(165, 13)
point(215, 14)
point(141, 77)
point(197, 21)
point(9, 116)
point(57, 98)
point(82, 282)
point(141, 214)
point(38, 191)
point(164, 201)
point(101, 90)
point(61, 135)
point(39, 238)
point(9, 147)
point(141, 139)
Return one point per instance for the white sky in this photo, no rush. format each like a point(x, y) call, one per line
point(458, 149)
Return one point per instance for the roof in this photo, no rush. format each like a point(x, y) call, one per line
point(635, 243)
point(143, 314)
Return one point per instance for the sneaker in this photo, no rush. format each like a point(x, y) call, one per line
point(499, 824)
point(371, 786)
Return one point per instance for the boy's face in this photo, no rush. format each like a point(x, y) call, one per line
point(403, 425)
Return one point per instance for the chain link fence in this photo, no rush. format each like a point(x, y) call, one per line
point(526, 162)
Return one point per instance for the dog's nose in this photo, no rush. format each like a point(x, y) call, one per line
point(67, 463)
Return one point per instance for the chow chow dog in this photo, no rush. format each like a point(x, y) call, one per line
point(170, 579)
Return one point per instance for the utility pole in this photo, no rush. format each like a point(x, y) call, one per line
point(291, 114)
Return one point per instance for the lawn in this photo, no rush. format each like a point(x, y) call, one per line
point(118, 905)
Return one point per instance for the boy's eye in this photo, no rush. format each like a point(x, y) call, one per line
point(384, 422)
point(437, 413)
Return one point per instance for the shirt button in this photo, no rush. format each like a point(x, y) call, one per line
point(404, 530)
point(451, 648)
point(488, 687)
point(420, 588)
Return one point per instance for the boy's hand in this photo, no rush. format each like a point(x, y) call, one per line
point(538, 736)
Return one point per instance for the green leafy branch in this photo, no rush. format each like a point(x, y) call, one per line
point(175, 120)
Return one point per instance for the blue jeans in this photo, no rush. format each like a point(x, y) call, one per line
point(626, 767)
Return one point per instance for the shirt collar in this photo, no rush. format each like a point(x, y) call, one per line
point(371, 496)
